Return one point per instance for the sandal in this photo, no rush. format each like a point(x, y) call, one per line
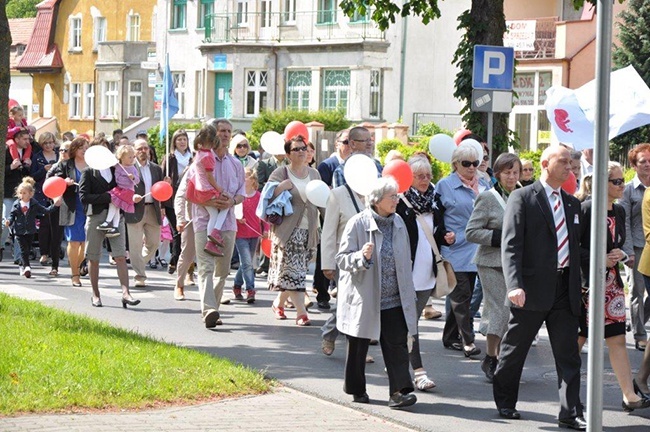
point(303, 321)
point(422, 381)
point(54, 272)
point(278, 312)
point(328, 347)
point(76, 282)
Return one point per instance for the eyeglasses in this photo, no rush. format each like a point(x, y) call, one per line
point(299, 149)
point(617, 181)
point(63, 150)
point(144, 148)
point(424, 176)
point(241, 146)
point(392, 197)
point(344, 142)
point(468, 164)
point(48, 143)
point(527, 169)
point(486, 158)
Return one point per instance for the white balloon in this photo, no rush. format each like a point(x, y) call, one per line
point(317, 193)
point(477, 146)
point(360, 173)
point(99, 157)
point(272, 142)
point(441, 146)
point(239, 211)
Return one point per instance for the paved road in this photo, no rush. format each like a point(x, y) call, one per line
point(462, 400)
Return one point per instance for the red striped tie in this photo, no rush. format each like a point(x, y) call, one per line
point(560, 231)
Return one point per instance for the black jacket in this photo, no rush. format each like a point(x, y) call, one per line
point(13, 177)
point(25, 223)
point(93, 190)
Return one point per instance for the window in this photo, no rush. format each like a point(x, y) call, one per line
point(200, 94)
point(289, 15)
point(75, 33)
point(359, 18)
point(133, 27)
point(298, 87)
point(265, 6)
point(75, 101)
point(326, 12)
point(99, 32)
point(109, 99)
point(179, 8)
point(179, 88)
point(256, 92)
point(375, 93)
point(336, 90)
point(89, 100)
point(206, 8)
point(242, 12)
point(135, 98)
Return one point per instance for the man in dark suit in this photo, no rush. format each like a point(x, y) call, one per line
point(343, 150)
point(93, 192)
point(541, 264)
point(144, 223)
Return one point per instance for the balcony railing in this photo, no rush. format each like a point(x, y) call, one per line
point(544, 47)
point(314, 26)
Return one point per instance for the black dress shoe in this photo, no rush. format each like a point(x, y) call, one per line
point(471, 351)
point(509, 413)
point(488, 366)
point(454, 346)
point(576, 423)
point(361, 398)
point(631, 406)
point(638, 391)
point(323, 305)
point(399, 400)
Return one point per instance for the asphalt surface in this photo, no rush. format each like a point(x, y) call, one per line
point(462, 400)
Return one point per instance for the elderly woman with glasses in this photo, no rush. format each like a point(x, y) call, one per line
point(294, 241)
point(376, 294)
point(49, 232)
point(240, 148)
point(455, 196)
point(422, 219)
point(527, 173)
point(484, 229)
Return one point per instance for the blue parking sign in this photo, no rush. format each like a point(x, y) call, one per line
point(494, 67)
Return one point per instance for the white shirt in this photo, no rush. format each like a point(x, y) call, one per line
point(145, 171)
point(423, 276)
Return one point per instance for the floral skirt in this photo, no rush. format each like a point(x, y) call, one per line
point(614, 307)
point(288, 265)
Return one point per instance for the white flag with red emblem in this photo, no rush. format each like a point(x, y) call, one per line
point(571, 112)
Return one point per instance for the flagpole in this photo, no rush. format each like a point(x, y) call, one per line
point(167, 124)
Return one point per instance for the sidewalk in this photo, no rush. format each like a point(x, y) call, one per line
point(282, 410)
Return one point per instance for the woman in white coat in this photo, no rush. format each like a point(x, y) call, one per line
point(376, 297)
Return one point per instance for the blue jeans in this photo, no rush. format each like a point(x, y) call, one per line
point(246, 248)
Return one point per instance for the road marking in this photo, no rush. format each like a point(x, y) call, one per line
point(28, 293)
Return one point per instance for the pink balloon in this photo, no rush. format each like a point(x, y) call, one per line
point(401, 172)
point(458, 136)
point(294, 129)
point(54, 187)
point(570, 185)
point(161, 191)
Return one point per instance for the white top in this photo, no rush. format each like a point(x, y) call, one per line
point(423, 276)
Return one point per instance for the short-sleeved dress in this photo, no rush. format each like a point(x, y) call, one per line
point(203, 190)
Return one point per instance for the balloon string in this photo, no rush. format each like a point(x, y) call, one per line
point(254, 230)
point(133, 179)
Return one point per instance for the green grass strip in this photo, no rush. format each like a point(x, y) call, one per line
point(52, 360)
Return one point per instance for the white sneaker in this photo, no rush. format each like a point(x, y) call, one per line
point(28, 272)
point(22, 270)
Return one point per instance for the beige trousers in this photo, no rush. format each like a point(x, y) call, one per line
point(212, 271)
point(144, 238)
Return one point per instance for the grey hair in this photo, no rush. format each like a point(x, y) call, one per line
point(419, 163)
point(462, 152)
point(382, 186)
point(214, 122)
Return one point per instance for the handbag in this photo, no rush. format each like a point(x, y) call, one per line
point(446, 277)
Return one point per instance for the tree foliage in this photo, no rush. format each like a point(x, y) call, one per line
point(21, 8)
point(633, 49)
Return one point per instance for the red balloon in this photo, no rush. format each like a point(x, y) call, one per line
point(401, 172)
point(294, 129)
point(13, 103)
point(161, 191)
point(54, 187)
point(458, 136)
point(570, 184)
point(266, 246)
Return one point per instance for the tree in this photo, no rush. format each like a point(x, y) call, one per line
point(634, 50)
point(5, 81)
point(483, 24)
point(21, 8)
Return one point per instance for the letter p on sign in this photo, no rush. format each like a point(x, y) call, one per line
point(494, 67)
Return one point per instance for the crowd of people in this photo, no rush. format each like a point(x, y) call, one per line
point(379, 252)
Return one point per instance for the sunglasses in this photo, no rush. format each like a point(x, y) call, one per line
point(344, 142)
point(486, 158)
point(468, 164)
point(241, 146)
point(299, 149)
point(617, 181)
point(63, 150)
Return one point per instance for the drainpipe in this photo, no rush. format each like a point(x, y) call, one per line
point(402, 63)
point(275, 65)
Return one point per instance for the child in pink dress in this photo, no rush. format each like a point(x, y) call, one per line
point(203, 187)
point(16, 123)
point(126, 177)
